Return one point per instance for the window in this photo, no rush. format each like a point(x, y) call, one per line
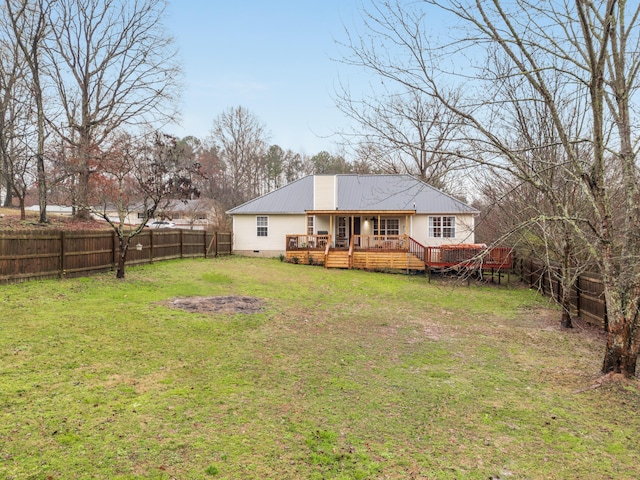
point(442, 227)
point(342, 227)
point(310, 224)
point(262, 224)
point(388, 226)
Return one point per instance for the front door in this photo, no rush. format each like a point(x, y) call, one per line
point(356, 229)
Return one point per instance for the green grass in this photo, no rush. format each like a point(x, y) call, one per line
point(344, 375)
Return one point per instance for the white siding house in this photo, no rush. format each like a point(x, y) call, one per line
point(346, 206)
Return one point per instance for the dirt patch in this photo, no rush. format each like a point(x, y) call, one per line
point(10, 220)
point(228, 304)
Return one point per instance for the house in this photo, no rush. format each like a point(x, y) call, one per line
point(332, 219)
point(198, 214)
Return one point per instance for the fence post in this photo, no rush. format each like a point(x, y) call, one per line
point(215, 243)
point(204, 242)
point(63, 254)
point(181, 244)
point(151, 252)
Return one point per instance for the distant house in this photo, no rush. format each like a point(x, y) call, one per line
point(322, 214)
point(198, 214)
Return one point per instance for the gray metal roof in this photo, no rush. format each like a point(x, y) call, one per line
point(395, 192)
point(359, 192)
point(295, 197)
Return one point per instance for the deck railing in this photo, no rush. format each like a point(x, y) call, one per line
point(388, 243)
point(416, 249)
point(469, 256)
point(307, 242)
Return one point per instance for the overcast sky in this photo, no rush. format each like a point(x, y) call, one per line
point(272, 57)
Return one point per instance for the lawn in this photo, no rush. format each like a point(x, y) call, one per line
point(341, 375)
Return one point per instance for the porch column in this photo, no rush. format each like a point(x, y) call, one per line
point(331, 228)
point(352, 226)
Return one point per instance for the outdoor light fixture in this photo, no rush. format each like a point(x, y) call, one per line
point(139, 246)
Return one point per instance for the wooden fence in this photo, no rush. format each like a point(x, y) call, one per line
point(53, 253)
point(587, 296)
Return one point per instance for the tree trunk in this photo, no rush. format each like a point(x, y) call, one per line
point(122, 258)
point(565, 321)
point(42, 188)
point(23, 213)
point(8, 198)
point(82, 207)
point(621, 354)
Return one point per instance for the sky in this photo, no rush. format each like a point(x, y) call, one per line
point(276, 58)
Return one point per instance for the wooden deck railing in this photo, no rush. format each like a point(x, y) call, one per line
point(416, 249)
point(388, 243)
point(376, 243)
point(307, 242)
point(443, 256)
point(469, 256)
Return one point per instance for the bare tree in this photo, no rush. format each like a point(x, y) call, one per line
point(113, 66)
point(542, 207)
point(13, 83)
point(29, 26)
point(404, 132)
point(141, 176)
point(241, 142)
point(578, 56)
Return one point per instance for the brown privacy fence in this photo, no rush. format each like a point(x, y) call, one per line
point(587, 296)
point(53, 253)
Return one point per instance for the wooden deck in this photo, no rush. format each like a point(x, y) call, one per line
point(367, 252)
point(470, 256)
point(393, 252)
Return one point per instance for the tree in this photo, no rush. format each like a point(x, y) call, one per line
point(541, 209)
point(14, 102)
point(29, 26)
point(241, 142)
point(573, 56)
point(325, 163)
point(404, 132)
point(282, 167)
point(141, 175)
point(113, 66)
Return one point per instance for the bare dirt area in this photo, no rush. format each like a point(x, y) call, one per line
point(224, 304)
point(10, 220)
